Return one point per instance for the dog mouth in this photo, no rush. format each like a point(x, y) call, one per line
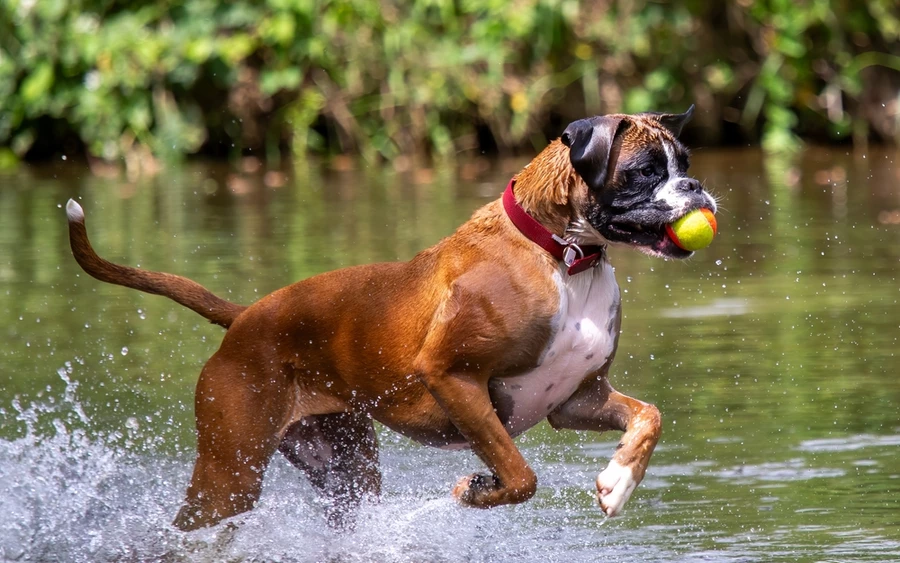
point(650, 238)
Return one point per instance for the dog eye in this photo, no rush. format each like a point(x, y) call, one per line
point(648, 171)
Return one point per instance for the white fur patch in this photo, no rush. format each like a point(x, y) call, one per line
point(74, 211)
point(583, 339)
point(670, 194)
point(614, 487)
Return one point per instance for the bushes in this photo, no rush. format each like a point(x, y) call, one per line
point(386, 78)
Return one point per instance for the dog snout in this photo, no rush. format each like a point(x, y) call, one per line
point(689, 185)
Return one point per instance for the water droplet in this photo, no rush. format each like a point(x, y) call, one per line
point(124, 350)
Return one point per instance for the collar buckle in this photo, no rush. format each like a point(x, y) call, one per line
point(571, 251)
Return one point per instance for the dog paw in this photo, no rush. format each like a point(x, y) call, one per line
point(614, 487)
point(471, 489)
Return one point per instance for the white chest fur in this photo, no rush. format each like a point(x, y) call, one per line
point(584, 336)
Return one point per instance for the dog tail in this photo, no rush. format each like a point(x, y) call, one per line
point(181, 290)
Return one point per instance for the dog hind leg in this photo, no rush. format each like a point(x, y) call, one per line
point(240, 410)
point(339, 454)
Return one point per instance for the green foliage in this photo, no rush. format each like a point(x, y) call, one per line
point(392, 78)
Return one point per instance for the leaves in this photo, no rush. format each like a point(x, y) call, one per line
point(388, 78)
point(37, 85)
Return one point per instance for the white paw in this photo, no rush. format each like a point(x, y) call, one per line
point(614, 487)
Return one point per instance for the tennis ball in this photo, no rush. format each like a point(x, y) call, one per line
point(694, 230)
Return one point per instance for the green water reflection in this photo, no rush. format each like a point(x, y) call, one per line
point(771, 354)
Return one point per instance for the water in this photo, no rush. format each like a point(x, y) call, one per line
point(771, 355)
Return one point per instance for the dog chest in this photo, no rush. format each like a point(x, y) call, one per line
point(583, 338)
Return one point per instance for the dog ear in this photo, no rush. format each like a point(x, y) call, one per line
point(590, 141)
point(674, 122)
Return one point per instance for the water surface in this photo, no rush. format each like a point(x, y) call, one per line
point(771, 355)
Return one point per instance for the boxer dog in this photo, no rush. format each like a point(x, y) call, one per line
point(512, 319)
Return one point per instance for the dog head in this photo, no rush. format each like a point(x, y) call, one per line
point(635, 180)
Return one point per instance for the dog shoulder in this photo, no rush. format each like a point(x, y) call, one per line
point(492, 313)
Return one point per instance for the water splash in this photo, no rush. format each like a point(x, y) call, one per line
point(71, 493)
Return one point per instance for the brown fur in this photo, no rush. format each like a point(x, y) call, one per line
point(551, 191)
point(411, 345)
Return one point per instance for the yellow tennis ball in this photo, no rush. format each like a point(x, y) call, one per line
point(694, 231)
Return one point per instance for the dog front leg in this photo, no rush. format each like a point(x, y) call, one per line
point(467, 403)
point(454, 364)
point(597, 406)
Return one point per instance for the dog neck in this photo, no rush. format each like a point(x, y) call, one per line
point(544, 185)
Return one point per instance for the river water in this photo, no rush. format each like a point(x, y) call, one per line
point(772, 356)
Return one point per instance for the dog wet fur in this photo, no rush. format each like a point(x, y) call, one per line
point(471, 342)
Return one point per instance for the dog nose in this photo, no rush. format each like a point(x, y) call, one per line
point(690, 185)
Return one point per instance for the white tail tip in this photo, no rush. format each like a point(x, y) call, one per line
point(74, 211)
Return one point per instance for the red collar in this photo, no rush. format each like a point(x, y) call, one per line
point(577, 258)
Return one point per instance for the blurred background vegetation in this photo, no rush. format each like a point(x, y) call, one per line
point(143, 79)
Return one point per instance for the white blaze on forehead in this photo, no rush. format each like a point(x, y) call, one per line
point(670, 194)
point(671, 160)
